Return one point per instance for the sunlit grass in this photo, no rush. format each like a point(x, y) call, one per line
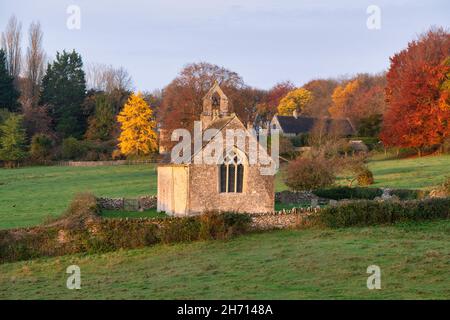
point(290, 264)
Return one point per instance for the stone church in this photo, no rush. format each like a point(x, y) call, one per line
point(232, 185)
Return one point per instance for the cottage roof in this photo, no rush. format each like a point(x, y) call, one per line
point(302, 124)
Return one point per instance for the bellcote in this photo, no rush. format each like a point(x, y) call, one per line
point(215, 101)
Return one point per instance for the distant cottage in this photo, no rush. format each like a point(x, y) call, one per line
point(235, 185)
point(294, 125)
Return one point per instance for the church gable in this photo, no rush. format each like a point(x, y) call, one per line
point(231, 182)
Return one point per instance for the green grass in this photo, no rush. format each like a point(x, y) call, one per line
point(291, 264)
point(412, 173)
point(152, 213)
point(29, 195)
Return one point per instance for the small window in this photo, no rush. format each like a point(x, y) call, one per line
point(215, 100)
point(231, 175)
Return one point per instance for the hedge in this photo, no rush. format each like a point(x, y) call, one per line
point(370, 212)
point(340, 193)
point(80, 229)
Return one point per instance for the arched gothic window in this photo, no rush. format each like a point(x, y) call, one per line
point(231, 174)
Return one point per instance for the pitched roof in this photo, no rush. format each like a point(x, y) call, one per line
point(301, 124)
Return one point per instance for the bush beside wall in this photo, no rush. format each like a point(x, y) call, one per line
point(369, 212)
point(80, 229)
point(339, 193)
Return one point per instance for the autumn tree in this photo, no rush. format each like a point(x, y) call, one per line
point(36, 119)
point(138, 136)
point(416, 117)
point(359, 97)
point(41, 145)
point(342, 99)
point(102, 122)
point(246, 101)
point(12, 140)
point(321, 90)
point(296, 99)
point(268, 106)
point(182, 98)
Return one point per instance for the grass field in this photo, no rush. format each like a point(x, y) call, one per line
point(290, 264)
point(152, 213)
point(29, 195)
point(413, 173)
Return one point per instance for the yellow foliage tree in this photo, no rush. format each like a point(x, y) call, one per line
point(137, 136)
point(296, 99)
point(341, 96)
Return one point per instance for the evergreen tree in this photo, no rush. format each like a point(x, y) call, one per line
point(64, 90)
point(8, 93)
point(12, 140)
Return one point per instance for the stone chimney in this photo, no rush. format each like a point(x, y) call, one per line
point(295, 114)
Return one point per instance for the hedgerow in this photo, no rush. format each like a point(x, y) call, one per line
point(370, 212)
point(81, 229)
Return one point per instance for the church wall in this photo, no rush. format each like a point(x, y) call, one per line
point(172, 189)
point(257, 195)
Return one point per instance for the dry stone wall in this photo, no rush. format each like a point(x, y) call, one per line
point(283, 219)
point(140, 203)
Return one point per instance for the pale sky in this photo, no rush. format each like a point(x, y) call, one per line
point(265, 41)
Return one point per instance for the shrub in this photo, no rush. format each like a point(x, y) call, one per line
point(301, 140)
point(307, 174)
point(73, 149)
point(339, 193)
point(446, 186)
point(286, 148)
point(41, 146)
point(113, 234)
point(344, 192)
point(365, 177)
point(180, 230)
point(80, 229)
point(99, 150)
point(370, 212)
point(409, 194)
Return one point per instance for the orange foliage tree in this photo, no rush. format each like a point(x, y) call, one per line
point(342, 97)
point(268, 106)
point(359, 98)
point(138, 134)
point(417, 117)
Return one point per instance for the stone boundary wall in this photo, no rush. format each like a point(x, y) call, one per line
point(140, 203)
point(86, 163)
point(284, 219)
point(299, 197)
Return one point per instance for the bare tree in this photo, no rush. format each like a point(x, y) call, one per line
point(107, 78)
point(35, 59)
point(11, 45)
